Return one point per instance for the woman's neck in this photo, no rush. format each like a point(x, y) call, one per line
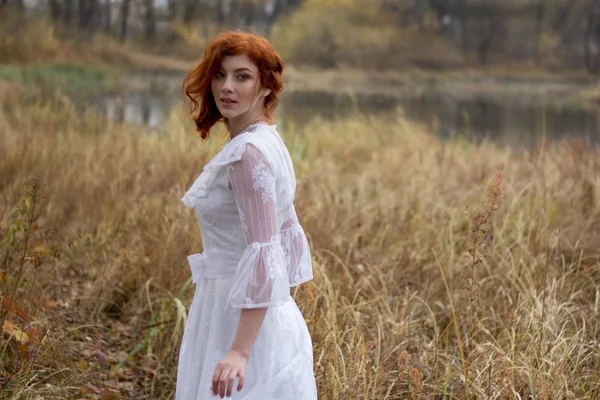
point(237, 126)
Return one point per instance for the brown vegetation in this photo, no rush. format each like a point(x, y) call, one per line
point(557, 35)
point(25, 41)
point(414, 294)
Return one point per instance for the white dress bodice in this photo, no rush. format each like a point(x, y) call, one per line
point(244, 203)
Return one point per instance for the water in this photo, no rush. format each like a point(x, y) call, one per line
point(138, 108)
point(516, 121)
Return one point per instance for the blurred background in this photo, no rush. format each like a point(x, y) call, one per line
point(448, 180)
point(510, 70)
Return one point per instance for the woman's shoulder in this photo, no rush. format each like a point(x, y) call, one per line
point(264, 138)
point(263, 134)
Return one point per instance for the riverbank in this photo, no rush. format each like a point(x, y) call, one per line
point(580, 90)
point(571, 87)
point(128, 70)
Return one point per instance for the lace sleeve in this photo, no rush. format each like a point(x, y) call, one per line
point(261, 278)
point(297, 251)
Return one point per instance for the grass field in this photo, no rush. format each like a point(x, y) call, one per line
point(442, 269)
point(69, 77)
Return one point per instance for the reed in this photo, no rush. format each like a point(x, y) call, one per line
point(100, 282)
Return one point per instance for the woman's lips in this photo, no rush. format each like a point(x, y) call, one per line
point(228, 103)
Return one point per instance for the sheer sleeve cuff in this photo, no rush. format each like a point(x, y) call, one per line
point(297, 254)
point(261, 279)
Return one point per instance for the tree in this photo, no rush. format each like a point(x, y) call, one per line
point(592, 38)
point(172, 10)
point(54, 8)
point(124, 16)
point(107, 16)
point(488, 28)
point(540, 12)
point(189, 11)
point(68, 13)
point(149, 20)
point(87, 10)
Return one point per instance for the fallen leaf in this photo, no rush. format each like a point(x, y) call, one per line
point(31, 331)
point(11, 329)
point(110, 394)
point(102, 359)
point(24, 350)
point(89, 388)
point(82, 364)
point(8, 305)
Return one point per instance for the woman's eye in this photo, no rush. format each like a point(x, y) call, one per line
point(220, 75)
point(243, 77)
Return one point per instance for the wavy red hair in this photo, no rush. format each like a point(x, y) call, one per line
point(197, 83)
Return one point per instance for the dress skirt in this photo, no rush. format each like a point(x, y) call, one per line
point(281, 363)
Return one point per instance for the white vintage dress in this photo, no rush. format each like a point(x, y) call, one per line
point(254, 251)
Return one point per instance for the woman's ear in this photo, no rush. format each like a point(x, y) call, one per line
point(267, 92)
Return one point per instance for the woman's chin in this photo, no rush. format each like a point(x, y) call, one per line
point(228, 113)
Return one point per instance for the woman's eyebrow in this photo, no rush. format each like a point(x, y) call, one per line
point(238, 69)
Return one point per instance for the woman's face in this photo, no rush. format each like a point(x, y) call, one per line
point(237, 89)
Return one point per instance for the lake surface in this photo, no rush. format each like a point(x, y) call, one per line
point(514, 120)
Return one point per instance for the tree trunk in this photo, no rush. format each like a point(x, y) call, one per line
point(486, 43)
point(189, 11)
point(54, 7)
point(540, 12)
point(563, 15)
point(244, 13)
point(592, 39)
point(124, 20)
point(107, 16)
point(149, 20)
point(219, 16)
point(68, 14)
point(82, 12)
point(88, 15)
point(270, 18)
point(172, 7)
point(92, 15)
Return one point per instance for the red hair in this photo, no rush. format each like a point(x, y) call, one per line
point(197, 83)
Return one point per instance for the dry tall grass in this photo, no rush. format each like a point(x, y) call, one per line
point(37, 41)
point(413, 296)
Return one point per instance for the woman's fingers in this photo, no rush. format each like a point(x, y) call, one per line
point(230, 380)
point(216, 379)
point(242, 376)
point(223, 381)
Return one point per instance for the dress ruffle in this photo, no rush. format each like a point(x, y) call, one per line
point(297, 254)
point(261, 279)
point(232, 152)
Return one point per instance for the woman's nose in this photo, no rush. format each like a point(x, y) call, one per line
point(227, 85)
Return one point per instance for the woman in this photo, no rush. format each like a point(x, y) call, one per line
point(243, 326)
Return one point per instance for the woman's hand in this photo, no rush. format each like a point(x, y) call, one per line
point(234, 363)
point(231, 366)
